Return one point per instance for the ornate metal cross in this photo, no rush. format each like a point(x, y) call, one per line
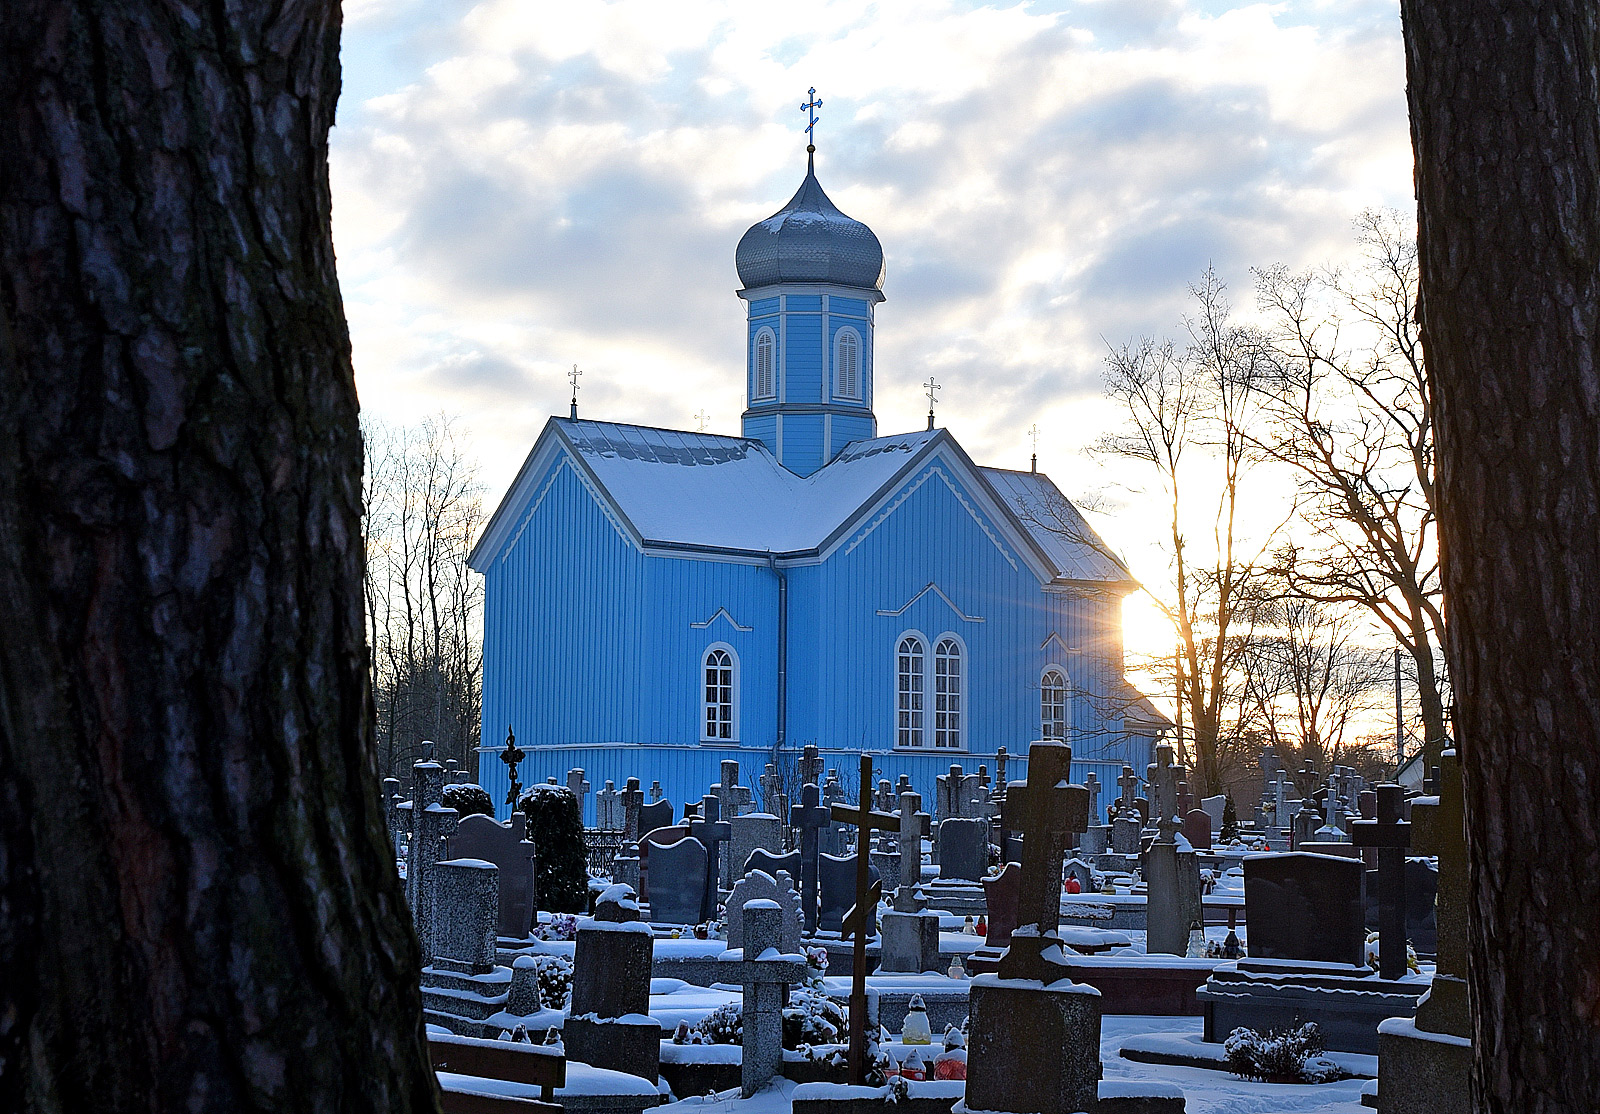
point(512, 756)
point(572, 377)
point(701, 420)
point(810, 108)
point(859, 921)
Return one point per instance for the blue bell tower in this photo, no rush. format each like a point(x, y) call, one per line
point(812, 281)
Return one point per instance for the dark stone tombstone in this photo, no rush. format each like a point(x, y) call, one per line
point(836, 887)
point(712, 831)
point(1306, 907)
point(1390, 835)
point(670, 834)
point(963, 849)
point(809, 817)
point(482, 837)
point(1197, 829)
point(768, 863)
point(608, 1025)
point(1422, 887)
point(653, 816)
point(1001, 893)
point(677, 881)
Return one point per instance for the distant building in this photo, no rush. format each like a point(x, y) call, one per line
point(657, 600)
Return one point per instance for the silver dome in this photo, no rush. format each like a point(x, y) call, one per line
point(810, 240)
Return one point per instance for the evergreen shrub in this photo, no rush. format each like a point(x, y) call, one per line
point(468, 799)
point(555, 825)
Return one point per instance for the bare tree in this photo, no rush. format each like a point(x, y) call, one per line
point(1348, 408)
point(424, 506)
point(1188, 411)
point(1312, 682)
point(1505, 118)
point(199, 909)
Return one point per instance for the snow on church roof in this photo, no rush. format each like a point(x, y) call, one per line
point(1059, 527)
point(731, 492)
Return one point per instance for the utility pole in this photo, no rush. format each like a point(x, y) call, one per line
point(1399, 718)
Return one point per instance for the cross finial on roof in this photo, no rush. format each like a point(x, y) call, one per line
point(1033, 432)
point(701, 420)
point(929, 388)
point(810, 109)
point(572, 377)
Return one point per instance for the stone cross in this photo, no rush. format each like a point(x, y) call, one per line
point(1163, 778)
point(1048, 810)
point(808, 816)
point(608, 808)
point(710, 829)
point(913, 829)
point(1390, 835)
point(733, 796)
point(833, 838)
point(766, 972)
point(902, 785)
point(655, 791)
point(883, 799)
point(810, 765)
point(860, 920)
point(431, 824)
point(1092, 784)
point(632, 802)
point(391, 813)
point(579, 785)
point(1000, 759)
point(1439, 828)
point(1130, 786)
point(773, 798)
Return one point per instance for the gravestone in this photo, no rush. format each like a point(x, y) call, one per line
point(831, 838)
point(808, 817)
point(1125, 834)
point(1077, 868)
point(1305, 907)
point(1197, 829)
point(506, 846)
point(632, 812)
point(579, 786)
point(767, 969)
point(1001, 758)
point(1092, 784)
point(910, 941)
point(1162, 777)
point(1390, 835)
point(712, 831)
point(836, 889)
point(914, 828)
point(954, 795)
point(392, 815)
point(758, 885)
point(1096, 841)
point(810, 765)
point(655, 792)
point(735, 799)
point(1214, 808)
point(963, 849)
point(768, 863)
point(1035, 1035)
point(657, 814)
point(431, 824)
point(755, 831)
point(1002, 892)
point(608, 808)
point(677, 876)
point(1172, 898)
point(466, 911)
point(608, 1024)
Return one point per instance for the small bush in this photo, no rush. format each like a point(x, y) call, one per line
point(555, 980)
point(1230, 821)
point(555, 825)
point(811, 1017)
point(723, 1025)
point(468, 799)
point(1291, 1054)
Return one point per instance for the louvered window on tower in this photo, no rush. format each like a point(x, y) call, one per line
point(766, 380)
point(847, 359)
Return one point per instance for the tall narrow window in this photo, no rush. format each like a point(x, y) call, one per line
point(947, 694)
point(719, 688)
point(909, 678)
point(766, 377)
point(1053, 705)
point(847, 364)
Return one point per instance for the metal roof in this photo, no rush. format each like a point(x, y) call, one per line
point(810, 240)
point(1057, 526)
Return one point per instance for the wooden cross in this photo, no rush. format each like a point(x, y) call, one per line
point(1439, 828)
point(1048, 810)
point(859, 920)
point(810, 817)
point(1391, 836)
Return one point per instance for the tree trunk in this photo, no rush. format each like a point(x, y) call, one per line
point(1505, 117)
point(198, 907)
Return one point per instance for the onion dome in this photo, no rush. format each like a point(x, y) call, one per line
point(810, 240)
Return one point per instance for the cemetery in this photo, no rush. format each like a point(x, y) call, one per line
point(1020, 948)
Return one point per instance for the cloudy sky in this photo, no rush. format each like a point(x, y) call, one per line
point(523, 186)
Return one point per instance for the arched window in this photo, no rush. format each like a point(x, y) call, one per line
point(910, 663)
point(1053, 704)
point(847, 364)
point(766, 364)
point(947, 692)
point(721, 670)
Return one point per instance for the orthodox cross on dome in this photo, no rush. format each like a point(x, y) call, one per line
point(929, 388)
point(810, 109)
point(572, 377)
point(1034, 433)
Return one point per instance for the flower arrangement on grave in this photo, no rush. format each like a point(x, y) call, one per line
point(555, 825)
point(952, 1062)
point(1290, 1056)
point(467, 799)
point(816, 965)
point(555, 979)
point(811, 1017)
point(723, 1025)
point(1373, 951)
point(560, 926)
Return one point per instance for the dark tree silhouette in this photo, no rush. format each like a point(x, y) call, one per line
point(198, 909)
point(1505, 118)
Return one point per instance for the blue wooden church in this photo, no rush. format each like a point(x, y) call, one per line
point(656, 601)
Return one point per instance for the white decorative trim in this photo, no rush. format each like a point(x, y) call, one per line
point(723, 613)
point(538, 499)
point(600, 500)
point(911, 489)
point(1055, 636)
point(934, 588)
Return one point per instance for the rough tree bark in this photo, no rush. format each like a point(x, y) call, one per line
point(1505, 118)
point(198, 909)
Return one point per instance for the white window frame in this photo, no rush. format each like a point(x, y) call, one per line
point(911, 723)
point(841, 389)
point(942, 726)
point(760, 391)
point(727, 711)
point(1046, 721)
